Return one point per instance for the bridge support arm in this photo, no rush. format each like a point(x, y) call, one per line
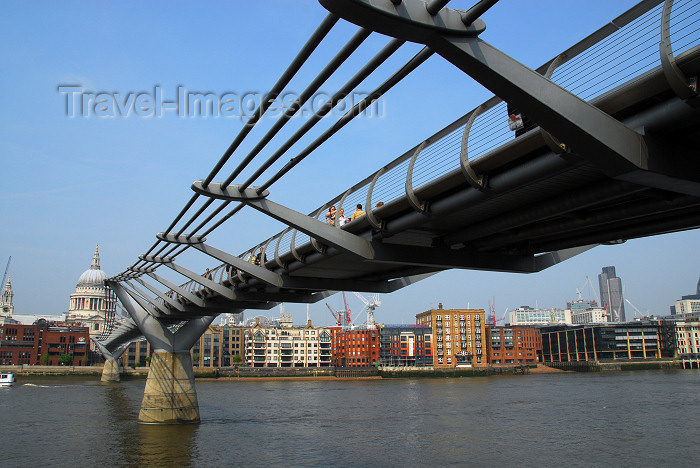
point(259, 272)
point(316, 229)
point(110, 371)
point(155, 332)
point(170, 395)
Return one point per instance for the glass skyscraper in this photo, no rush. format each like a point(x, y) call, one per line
point(611, 294)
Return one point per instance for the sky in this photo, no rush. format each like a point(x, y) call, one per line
point(74, 177)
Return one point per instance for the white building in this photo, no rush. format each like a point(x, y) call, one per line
point(688, 343)
point(92, 304)
point(583, 311)
point(687, 305)
point(7, 308)
point(287, 346)
point(526, 315)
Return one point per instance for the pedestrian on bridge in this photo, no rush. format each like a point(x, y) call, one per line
point(330, 215)
point(357, 213)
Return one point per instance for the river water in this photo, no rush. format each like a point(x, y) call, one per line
point(641, 418)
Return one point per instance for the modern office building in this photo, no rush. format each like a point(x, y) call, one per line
point(219, 346)
point(689, 304)
point(354, 347)
point(405, 345)
point(137, 354)
point(513, 345)
point(526, 315)
point(602, 342)
point(611, 294)
point(583, 311)
point(458, 336)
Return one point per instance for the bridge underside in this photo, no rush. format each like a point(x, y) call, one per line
point(536, 207)
point(621, 166)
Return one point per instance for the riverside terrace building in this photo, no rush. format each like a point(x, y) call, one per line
point(682, 335)
point(354, 347)
point(405, 345)
point(287, 346)
point(43, 344)
point(458, 336)
point(603, 342)
point(513, 345)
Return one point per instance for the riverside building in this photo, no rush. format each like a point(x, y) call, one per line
point(43, 343)
point(458, 336)
point(604, 342)
point(513, 345)
point(405, 345)
point(287, 346)
point(354, 347)
point(219, 346)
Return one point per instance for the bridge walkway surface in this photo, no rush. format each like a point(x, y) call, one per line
point(596, 146)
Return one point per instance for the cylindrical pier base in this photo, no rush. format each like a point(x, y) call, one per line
point(110, 372)
point(170, 396)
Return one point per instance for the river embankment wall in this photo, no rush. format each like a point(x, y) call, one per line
point(243, 372)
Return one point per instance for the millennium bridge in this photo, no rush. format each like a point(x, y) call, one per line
point(599, 145)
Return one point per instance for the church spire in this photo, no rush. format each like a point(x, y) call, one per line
point(96, 259)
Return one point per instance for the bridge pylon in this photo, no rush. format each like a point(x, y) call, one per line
point(170, 396)
point(110, 371)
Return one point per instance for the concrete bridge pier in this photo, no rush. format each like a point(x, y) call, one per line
point(170, 396)
point(110, 371)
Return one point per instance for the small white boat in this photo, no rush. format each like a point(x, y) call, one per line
point(7, 379)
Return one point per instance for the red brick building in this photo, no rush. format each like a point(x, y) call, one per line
point(18, 344)
point(513, 345)
point(354, 347)
point(26, 344)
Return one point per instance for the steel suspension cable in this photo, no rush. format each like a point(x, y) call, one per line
point(321, 32)
point(412, 64)
point(332, 66)
point(360, 76)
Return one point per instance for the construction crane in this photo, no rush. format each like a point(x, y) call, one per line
point(590, 284)
point(336, 315)
point(641, 315)
point(370, 304)
point(347, 310)
point(341, 315)
point(491, 319)
point(7, 268)
point(495, 321)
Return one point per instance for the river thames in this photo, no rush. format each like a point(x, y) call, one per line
point(640, 418)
